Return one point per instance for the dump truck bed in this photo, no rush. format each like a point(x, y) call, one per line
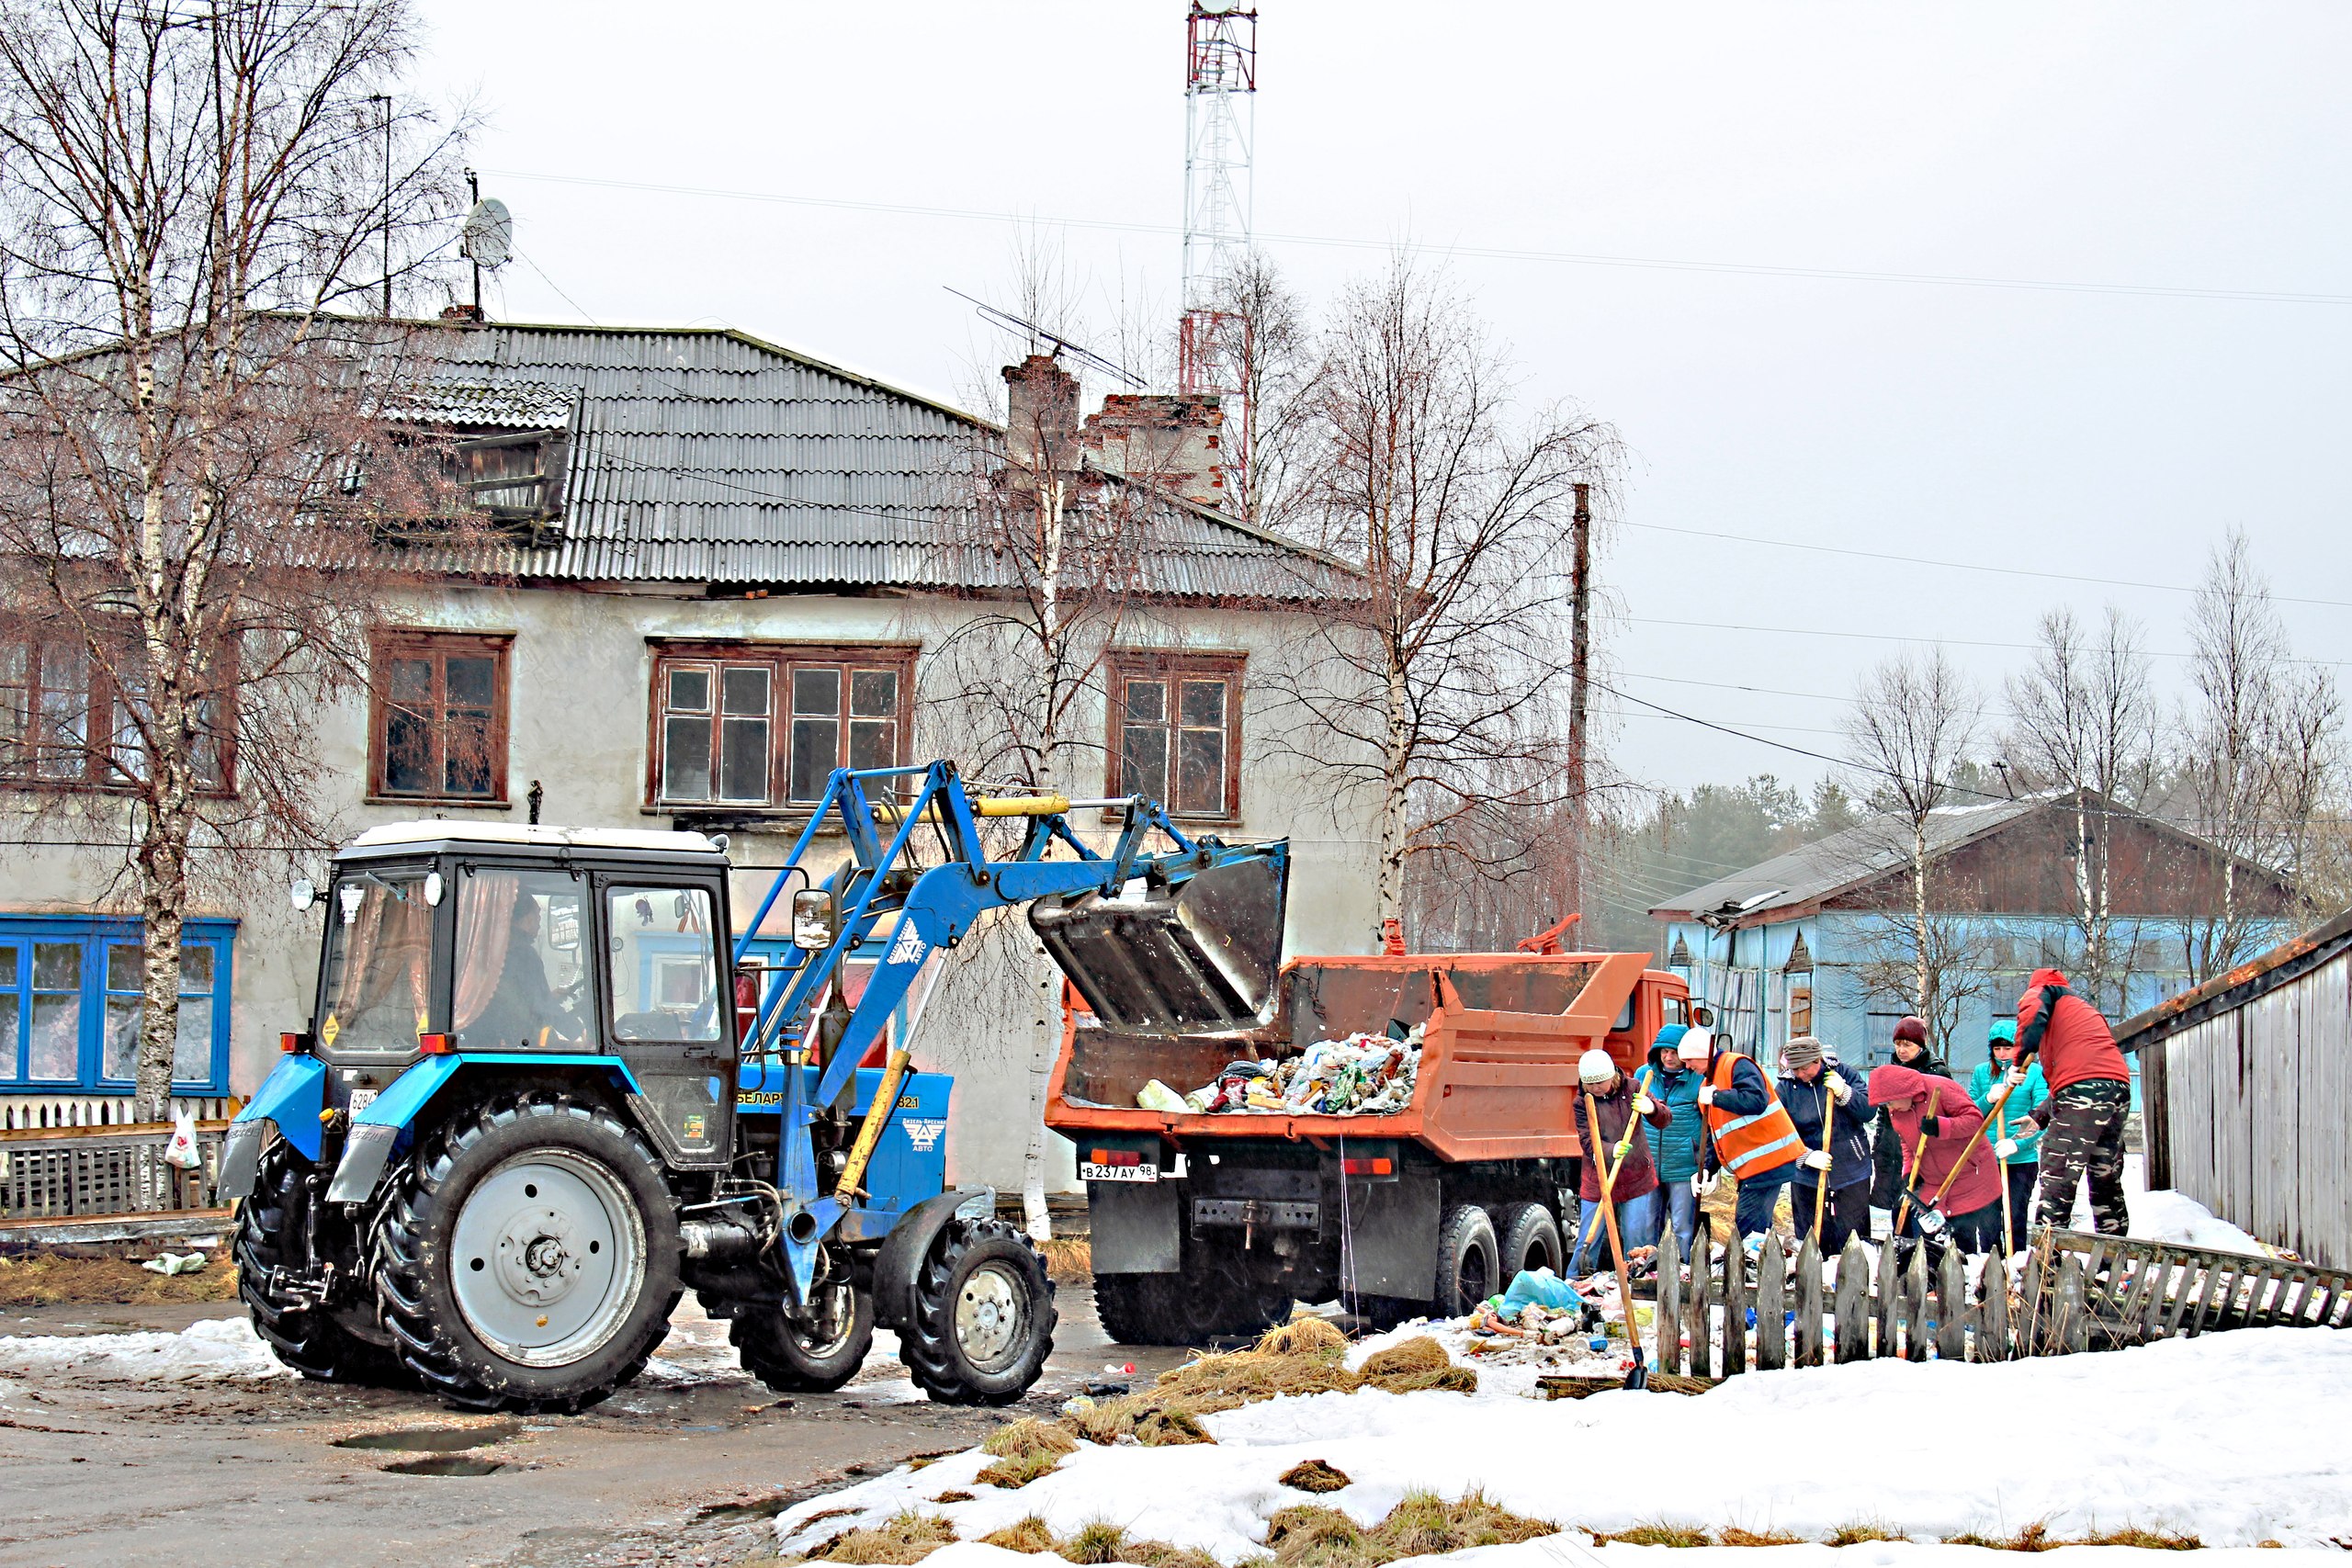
point(1503, 1035)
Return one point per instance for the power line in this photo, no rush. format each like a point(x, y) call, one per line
point(1494, 253)
point(1960, 565)
point(1898, 637)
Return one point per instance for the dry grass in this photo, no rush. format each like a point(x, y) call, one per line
point(1658, 1533)
point(953, 1497)
point(1314, 1475)
point(1733, 1536)
point(1096, 1543)
point(1032, 1534)
point(1302, 1336)
point(2035, 1536)
point(1308, 1535)
point(1856, 1531)
point(1419, 1354)
point(906, 1537)
point(2147, 1540)
point(48, 1278)
point(1028, 1439)
point(1012, 1474)
point(1069, 1261)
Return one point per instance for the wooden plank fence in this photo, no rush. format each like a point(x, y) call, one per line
point(2078, 1293)
point(77, 1172)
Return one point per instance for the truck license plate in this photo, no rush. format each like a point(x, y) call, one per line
point(361, 1099)
point(1088, 1171)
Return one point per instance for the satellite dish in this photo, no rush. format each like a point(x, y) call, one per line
point(487, 238)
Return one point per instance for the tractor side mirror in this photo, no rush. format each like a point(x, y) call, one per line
point(812, 919)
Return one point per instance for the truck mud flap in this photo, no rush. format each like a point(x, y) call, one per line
point(1132, 1226)
point(1197, 955)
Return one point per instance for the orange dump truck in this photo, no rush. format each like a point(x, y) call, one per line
point(1214, 1223)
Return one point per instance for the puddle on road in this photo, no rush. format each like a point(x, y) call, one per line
point(432, 1440)
point(446, 1464)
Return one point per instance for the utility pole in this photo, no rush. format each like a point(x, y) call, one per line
point(1580, 675)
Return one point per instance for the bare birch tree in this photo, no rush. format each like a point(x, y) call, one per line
point(1276, 355)
point(2261, 734)
point(2085, 721)
point(188, 191)
point(1437, 688)
point(1914, 722)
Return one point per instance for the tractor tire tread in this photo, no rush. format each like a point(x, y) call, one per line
point(932, 1357)
point(298, 1334)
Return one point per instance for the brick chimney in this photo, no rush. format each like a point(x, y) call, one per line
point(1041, 419)
point(1169, 441)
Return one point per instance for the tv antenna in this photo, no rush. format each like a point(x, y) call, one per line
point(487, 239)
point(1036, 333)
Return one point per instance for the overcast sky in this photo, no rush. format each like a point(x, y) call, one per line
point(2104, 429)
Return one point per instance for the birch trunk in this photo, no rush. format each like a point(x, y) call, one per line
point(1044, 1038)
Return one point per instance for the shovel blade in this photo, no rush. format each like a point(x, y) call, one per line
point(1196, 955)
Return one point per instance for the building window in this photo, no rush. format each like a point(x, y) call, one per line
point(515, 475)
point(70, 990)
point(438, 726)
point(1176, 731)
point(65, 720)
point(759, 725)
point(1800, 1010)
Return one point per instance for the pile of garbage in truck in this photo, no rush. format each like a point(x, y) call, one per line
point(1362, 1075)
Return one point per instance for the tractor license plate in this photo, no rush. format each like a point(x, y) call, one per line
point(1088, 1171)
point(361, 1099)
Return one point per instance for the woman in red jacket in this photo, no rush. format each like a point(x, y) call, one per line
point(2090, 1094)
point(1924, 1102)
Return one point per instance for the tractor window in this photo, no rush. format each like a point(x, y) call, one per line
point(665, 977)
point(518, 969)
point(379, 964)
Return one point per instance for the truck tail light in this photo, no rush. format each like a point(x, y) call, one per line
point(293, 1045)
point(436, 1044)
point(1116, 1157)
point(1381, 1166)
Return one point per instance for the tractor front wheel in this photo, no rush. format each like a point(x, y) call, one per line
point(527, 1256)
point(983, 1319)
point(817, 1356)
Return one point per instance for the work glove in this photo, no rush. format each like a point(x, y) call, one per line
point(1818, 1159)
point(1929, 1126)
point(1839, 1089)
point(1931, 1222)
point(2006, 1147)
point(1701, 1184)
point(1644, 1105)
point(2013, 1079)
point(1706, 1094)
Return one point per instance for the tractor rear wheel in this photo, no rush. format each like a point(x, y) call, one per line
point(983, 1318)
point(299, 1333)
point(526, 1259)
point(817, 1357)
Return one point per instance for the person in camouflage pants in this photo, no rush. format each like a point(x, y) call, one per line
point(2084, 1138)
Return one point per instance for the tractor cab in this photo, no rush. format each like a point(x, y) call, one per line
point(573, 951)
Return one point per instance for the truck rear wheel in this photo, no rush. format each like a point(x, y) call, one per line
point(983, 1319)
point(816, 1356)
point(299, 1333)
point(527, 1257)
point(1468, 1260)
point(1531, 1240)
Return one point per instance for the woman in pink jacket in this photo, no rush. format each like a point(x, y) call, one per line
point(1926, 1102)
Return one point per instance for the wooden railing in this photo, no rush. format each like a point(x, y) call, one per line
point(84, 1172)
point(2077, 1292)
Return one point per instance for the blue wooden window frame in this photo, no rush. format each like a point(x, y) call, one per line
point(97, 938)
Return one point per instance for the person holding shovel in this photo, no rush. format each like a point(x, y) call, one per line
point(2090, 1095)
point(1948, 1166)
point(1748, 1133)
point(2016, 1136)
point(1619, 1106)
point(1821, 1099)
point(1682, 1144)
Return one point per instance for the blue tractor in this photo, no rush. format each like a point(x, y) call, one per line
point(546, 1090)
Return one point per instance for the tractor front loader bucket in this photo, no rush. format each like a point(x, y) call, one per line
point(1194, 955)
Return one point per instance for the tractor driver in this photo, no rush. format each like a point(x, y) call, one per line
point(525, 1009)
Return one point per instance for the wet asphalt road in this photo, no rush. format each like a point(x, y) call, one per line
point(684, 1472)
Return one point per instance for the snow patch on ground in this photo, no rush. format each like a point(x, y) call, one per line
point(214, 1348)
point(2235, 1437)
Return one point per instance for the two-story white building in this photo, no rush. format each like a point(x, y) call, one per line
point(722, 582)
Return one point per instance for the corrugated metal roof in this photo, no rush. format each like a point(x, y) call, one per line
point(1842, 859)
point(707, 456)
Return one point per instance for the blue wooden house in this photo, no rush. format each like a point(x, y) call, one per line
point(1807, 942)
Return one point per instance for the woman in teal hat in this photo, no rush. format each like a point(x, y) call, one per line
point(2019, 1146)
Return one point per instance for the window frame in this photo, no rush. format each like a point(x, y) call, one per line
point(1127, 665)
point(782, 661)
point(102, 700)
point(439, 645)
point(97, 935)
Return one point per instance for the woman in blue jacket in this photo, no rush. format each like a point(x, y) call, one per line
point(1678, 1143)
point(2018, 1142)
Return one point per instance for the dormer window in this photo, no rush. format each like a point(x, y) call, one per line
point(513, 475)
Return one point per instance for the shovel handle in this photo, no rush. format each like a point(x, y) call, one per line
point(1969, 1148)
point(1617, 1252)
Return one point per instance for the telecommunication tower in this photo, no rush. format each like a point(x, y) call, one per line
point(1220, 98)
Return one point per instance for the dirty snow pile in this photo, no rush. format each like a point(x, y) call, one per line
point(2235, 1437)
point(213, 1348)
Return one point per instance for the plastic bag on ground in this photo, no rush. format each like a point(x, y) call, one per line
point(182, 1150)
point(175, 1263)
point(1541, 1288)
